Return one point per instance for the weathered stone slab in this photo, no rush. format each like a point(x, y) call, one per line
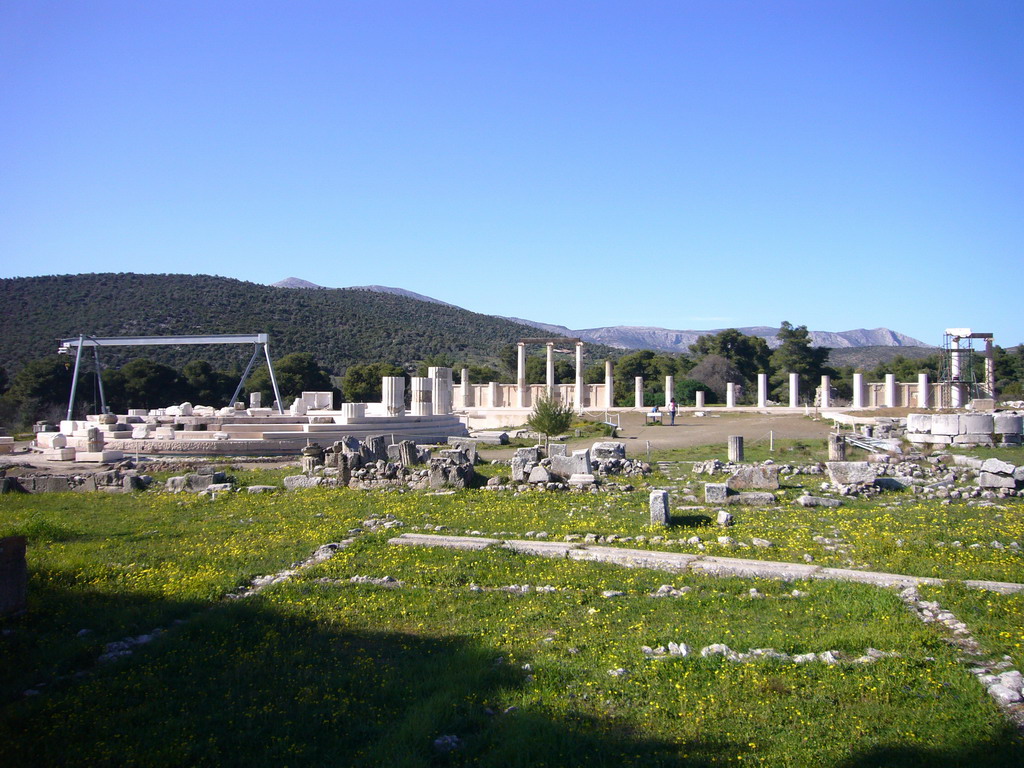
point(563, 467)
point(659, 508)
point(757, 477)
point(752, 498)
point(850, 472)
point(539, 474)
point(759, 569)
point(608, 449)
point(518, 469)
point(297, 482)
point(976, 424)
point(945, 424)
point(928, 439)
point(635, 558)
point(531, 454)
point(998, 466)
point(991, 480)
point(450, 542)
point(973, 439)
point(919, 422)
point(582, 480)
point(468, 447)
point(716, 493)
point(542, 548)
point(817, 501)
point(558, 449)
point(1007, 424)
point(876, 578)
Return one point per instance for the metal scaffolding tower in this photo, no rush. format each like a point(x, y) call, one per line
point(957, 369)
point(259, 340)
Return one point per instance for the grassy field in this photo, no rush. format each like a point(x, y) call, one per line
point(322, 670)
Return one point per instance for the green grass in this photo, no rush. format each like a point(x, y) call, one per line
point(1012, 454)
point(791, 451)
point(321, 671)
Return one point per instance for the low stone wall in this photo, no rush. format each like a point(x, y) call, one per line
point(965, 428)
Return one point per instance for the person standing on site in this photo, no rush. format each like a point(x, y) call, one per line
point(672, 412)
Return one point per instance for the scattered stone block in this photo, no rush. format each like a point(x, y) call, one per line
point(752, 498)
point(582, 480)
point(973, 439)
point(756, 477)
point(716, 493)
point(518, 469)
point(998, 467)
point(850, 472)
point(992, 480)
point(817, 501)
point(945, 424)
point(47, 440)
point(98, 457)
point(1007, 424)
point(976, 424)
point(558, 449)
point(539, 474)
point(608, 450)
point(59, 454)
point(296, 482)
point(659, 508)
point(723, 518)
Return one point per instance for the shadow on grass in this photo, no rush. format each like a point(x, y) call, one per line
point(690, 521)
point(247, 683)
point(1004, 753)
point(67, 626)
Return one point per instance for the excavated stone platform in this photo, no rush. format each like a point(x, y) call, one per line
point(678, 562)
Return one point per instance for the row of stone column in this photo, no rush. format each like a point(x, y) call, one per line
point(442, 388)
point(549, 374)
point(430, 395)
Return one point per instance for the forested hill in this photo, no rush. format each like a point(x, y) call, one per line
point(338, 326)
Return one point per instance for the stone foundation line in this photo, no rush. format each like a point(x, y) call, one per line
point(678, 562)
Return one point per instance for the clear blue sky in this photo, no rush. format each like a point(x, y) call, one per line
point(676, 164)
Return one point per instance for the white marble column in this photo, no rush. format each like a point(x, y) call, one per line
point(923, 391)
point(858, 390)
point(393, 399)
point(891, 400)
point(578, 393)
point(492, 394)
point(467, 391)
point(521, 376)
point(549, 372)
point(638, 392)
point(730, 395)
point(609, 382)
point(670, 386)
point(698, 398)
point(422, 396)
point(956, 395)
point(442, 395)
point(794, 390)
point(990, 370)
point(826, 391)
point(762, 390)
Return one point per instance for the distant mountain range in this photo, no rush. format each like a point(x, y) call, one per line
point(664, 339)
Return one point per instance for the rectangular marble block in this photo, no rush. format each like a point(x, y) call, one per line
point(98, 457)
